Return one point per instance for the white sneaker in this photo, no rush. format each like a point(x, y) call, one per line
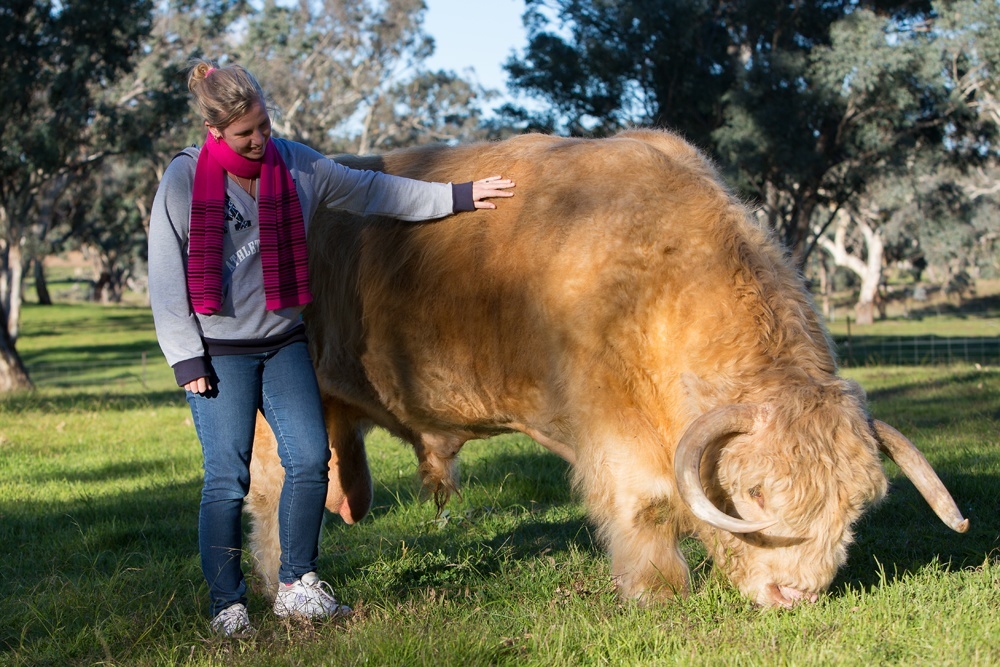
point(308, 597)
point(233, 621)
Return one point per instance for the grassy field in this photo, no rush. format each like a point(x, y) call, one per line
point(99, 485)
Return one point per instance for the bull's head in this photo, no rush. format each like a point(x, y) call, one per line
point(792, 484)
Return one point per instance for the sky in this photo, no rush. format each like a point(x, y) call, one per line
point(475, 34)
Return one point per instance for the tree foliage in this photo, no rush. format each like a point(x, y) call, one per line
point(606, 64)
point(107, 212)
point(921, 89)
point(802, 103)
point(54, 124)
point(346, 76)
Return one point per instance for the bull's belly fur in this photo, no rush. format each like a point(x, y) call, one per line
point(621, 294)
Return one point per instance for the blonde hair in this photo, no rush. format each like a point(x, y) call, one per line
point(223, 94)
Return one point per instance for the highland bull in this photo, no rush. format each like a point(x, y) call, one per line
point(625, 311)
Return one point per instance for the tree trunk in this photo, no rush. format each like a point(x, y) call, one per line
point(41, 284)
point(882, 302)
point(13, 374)
point(4, 281)
point(871, 275)
point(15, 276)
point(102, 287)
point(864, 312)
point(868, 268)
point(826, 288)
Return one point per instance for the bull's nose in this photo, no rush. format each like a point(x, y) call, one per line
point(787, 596)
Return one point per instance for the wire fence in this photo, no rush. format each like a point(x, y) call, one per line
point(151, 369)
point(923, 351)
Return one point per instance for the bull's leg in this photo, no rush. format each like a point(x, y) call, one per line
point(646, 560)
point(349, 493)
point(627, 500)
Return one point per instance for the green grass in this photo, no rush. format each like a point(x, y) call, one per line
point(87, 347)
point(978, 315)
point(99, 485)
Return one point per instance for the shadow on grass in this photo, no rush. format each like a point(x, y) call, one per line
point(84, 318)
point(504, 515)
point(947, 417)
point(987, 306)
point(942, 402)
point(70, 567)
point(88, 401)
point(113, 472)
point(452, 559)
point(104, 547)
point(526, 478)
point(94, 355)
point(901, 535)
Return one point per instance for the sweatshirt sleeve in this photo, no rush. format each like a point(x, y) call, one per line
point(365, 192)
point(461, 197)
point(177, 330)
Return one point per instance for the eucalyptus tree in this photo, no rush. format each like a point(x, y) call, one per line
point(108, 212)
point(54, 57)
point(946, 224)
point(972, 31)
point(802, 103)
point(923, 97)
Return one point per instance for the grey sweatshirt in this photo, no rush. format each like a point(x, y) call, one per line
point(243, 320)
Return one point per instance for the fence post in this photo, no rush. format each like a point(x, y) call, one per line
point(850, 352)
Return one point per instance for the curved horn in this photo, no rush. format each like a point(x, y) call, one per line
point(706, 432)
point(913, 464)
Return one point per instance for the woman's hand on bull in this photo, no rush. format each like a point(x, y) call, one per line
point(494, 186)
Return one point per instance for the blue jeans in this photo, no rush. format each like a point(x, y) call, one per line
point(282, 385)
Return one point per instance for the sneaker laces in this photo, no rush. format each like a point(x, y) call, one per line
point(322, 589)
point(310, 597)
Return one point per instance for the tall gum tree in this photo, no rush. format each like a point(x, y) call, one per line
point(107, 209)
point(53, 57)
point(923, 185)
point(802, 103)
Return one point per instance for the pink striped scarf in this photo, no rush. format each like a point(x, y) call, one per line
point(283, 252)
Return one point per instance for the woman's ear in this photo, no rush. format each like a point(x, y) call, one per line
point(214, 131)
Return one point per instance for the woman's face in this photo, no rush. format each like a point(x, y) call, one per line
point(248, 134)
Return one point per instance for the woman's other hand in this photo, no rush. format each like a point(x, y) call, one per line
point(199, 386)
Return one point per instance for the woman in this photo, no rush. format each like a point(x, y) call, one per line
point(231, 218)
